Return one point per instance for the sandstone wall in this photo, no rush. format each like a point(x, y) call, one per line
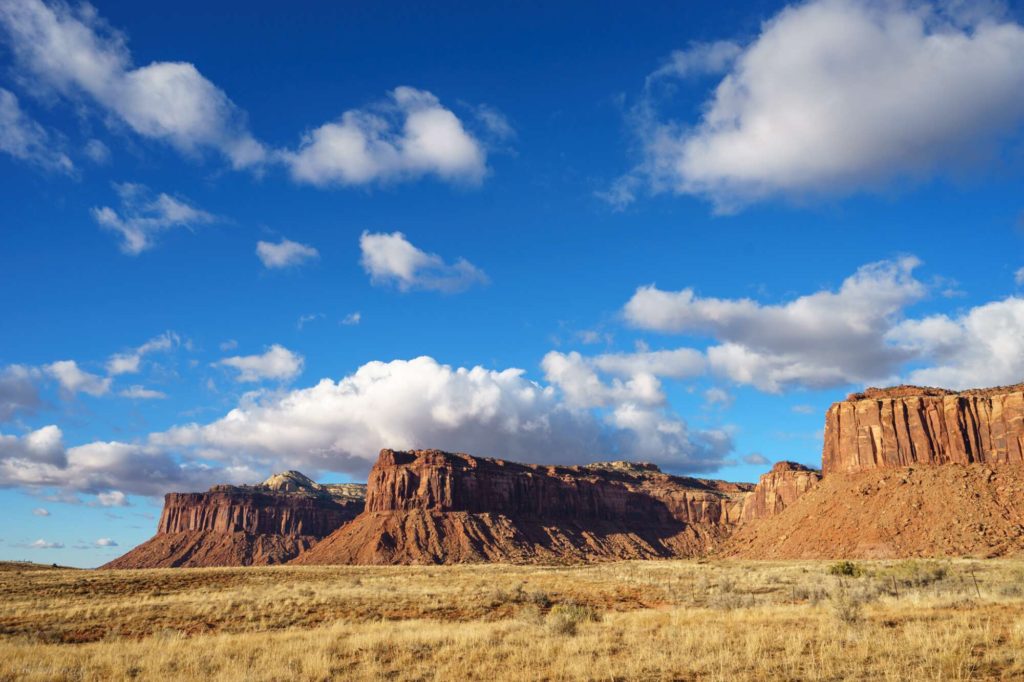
point(446, 482)
point(778, 489)
point(907, 425)
point(257, 513)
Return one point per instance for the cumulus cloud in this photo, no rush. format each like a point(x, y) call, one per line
point(982, 347)
point(143, 216)
point(105, 542)
point(74, 53)
point(137, 392)
point(698, 59)
point(128, 363)
point(45, 544)
point(582, 386)
point(39, 460)
point(73, 379)
point(352, 319)
point(39, 511)
point(757, 459)
point(341, 425)
point(838, 96)
point(392, 259)
point(718, 397)
point(679, 363)
point(285, 253)
point(409, 136)
point(819, 340)
point(276, 363)
point(18, 391)
point(25, 139)
point(112, 498)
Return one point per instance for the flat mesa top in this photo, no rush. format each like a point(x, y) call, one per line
point(909, 391)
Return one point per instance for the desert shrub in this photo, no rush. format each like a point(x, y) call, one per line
point(812, 595)
point(565, 619)
point(539, 599)
point(846, 607)
point(846, 568)
point(917, 573)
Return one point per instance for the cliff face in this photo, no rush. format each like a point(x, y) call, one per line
point(251, 512)
point(269, 523)
point(891, 513)
point(778, 489)
point(908, 425)
point(430, 506)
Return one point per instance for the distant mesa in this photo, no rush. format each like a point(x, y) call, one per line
point(243, 525)
point(880, 493)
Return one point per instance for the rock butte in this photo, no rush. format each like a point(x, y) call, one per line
point(907, 425)
point(269, 523)
point(879, 495)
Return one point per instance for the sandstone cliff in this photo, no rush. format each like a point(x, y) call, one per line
point(269, 523)
point(908, 425)
point(430, 506)
point(778, 489)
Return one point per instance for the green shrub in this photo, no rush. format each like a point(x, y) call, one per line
point(847, 568)
point(565, 619)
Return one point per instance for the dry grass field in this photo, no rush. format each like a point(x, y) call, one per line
point(719, 620)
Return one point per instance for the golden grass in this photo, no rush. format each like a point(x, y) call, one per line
point(624, 621)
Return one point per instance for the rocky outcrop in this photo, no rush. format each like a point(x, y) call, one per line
point(429, 506)
point(910, 425)
point(269, 523)
point(890, 513)
point(778, 489)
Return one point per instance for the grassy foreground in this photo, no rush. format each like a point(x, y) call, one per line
point(625, 621)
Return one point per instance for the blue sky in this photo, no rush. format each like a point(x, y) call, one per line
point(673, 232)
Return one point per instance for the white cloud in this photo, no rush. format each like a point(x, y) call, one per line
point(307, 318)
point(45, 445)
point(756, 459)
point(410, 136)
point(352, 319)
point(819, 340)
point(392, 259)
point(982, 347)
point(76, 54)
point(128, 363)
point(284, 254)
point(276, 363)
point(38, 460)
point(39, 511)
point(495, 122)
point(1018, 277)
point(699, 59)
point(105, 542)
point(97, 152)
point(579, 381)
point(45, 544)
point(230, 344)
point(18, 391)
point(24, 139)
point(340, 426)
point(143, 216)
point(112, 498)
point(718, 397)
point(137, 392)
point(839, 96)
point(73, 380)
point(680, 363)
